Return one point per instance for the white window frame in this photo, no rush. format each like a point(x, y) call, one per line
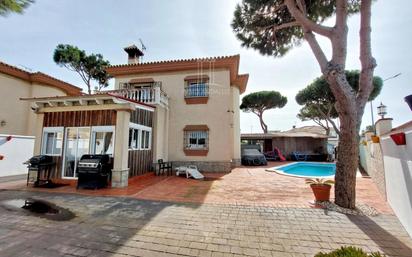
point(64, 151)
point(150, 141)
point(43, 140)
point(140, 129)
point(138, 139)
point(101, 129)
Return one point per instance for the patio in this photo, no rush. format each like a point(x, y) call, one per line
point(244, 186)
point(248, 212)
point(123, 227)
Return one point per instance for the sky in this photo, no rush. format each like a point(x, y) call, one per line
point(189, 29)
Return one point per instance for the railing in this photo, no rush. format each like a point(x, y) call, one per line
point(197, 90)
point(150, 95)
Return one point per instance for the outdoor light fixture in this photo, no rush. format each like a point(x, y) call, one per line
point(3, 123)
point(382, 110)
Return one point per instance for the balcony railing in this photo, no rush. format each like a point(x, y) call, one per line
point(150, 95)
point(197, 90)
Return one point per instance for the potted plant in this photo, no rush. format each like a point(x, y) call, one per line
point(399, 138)
point(375, 139)
point(408, 100)
point(321, 188)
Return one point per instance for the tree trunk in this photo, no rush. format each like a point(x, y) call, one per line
point(263, 124)
point(347, 163)
point(327, 131)
point(89, 88)
point(347, 159)
point(349, 104)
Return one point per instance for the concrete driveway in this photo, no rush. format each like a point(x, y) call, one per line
point(123, 226)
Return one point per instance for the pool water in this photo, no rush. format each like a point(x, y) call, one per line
point(308, 169)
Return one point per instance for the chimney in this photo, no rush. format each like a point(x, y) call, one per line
point(383, 126)
point(134, 54)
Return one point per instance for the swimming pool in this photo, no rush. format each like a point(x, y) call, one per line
point(307, 169)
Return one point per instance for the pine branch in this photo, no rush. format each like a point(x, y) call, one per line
point(317, 50)
point(272, 10)
point(339, 38)
point(282, 26)
point(368, 63)
point(327, 118)
point(306, 23)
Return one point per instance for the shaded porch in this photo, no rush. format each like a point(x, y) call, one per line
point(311, 144)
point(70, 127)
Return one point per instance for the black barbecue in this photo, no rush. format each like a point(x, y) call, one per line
point(41, 164)
point(94, 171)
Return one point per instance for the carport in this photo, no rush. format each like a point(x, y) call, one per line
point(288, 142)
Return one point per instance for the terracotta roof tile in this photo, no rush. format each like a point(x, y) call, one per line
point(227, 62)
point(177, 61)
point(39, 77)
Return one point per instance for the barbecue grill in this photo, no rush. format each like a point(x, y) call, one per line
point(94, 171)
point(40, 164)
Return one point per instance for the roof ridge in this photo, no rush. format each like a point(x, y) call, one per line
point(178, 60)
point(15, 67)
point(28, 76)
point(54, 78)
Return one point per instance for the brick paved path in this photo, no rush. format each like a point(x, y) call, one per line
point(114, 226)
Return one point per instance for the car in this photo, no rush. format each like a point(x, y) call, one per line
point(253, 157)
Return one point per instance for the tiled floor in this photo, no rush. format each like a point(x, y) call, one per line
point(244, 185)
point(124, 227)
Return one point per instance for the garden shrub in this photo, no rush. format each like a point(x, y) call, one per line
point(349, 251)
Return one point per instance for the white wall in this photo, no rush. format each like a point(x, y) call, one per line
point(214, 114)
point(371, 159)
point(21, 121)
point(362, 157)
point(16, 151)
point(398, 175)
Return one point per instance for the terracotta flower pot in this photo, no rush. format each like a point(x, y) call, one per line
point(399, 138)
point(321, 191)
point(375, 139)
point(408, 100)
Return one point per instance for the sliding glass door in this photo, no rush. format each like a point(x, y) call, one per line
point(77, 144)
point(102, 140)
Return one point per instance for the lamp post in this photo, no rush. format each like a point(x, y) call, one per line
point(382, 110)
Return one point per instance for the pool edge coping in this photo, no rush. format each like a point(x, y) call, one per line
point(280, 172)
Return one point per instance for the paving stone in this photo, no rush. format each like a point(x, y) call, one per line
point(197, 245)
point(205, 253)
point(116, 226)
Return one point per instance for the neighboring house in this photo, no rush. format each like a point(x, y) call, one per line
point(333, 137)
point(16, 118)
point(185, 111)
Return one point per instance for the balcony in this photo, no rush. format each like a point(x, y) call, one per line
point(150, 95)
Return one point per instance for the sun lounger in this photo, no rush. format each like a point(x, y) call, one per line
point(190, 171)
point(300, 156)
